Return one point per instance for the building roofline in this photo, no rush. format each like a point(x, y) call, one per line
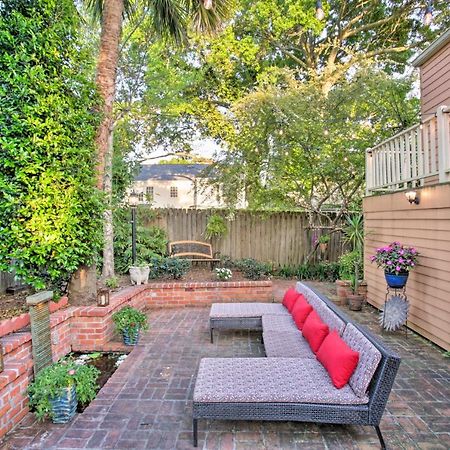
point(432, 49)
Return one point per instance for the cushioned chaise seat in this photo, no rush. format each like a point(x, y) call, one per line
point(267, 380)
point(275, 322)
point(286, 344)
point(232, 310)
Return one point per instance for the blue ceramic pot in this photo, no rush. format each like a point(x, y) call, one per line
point(396, 281)
point(130, 337)
point(64, 406)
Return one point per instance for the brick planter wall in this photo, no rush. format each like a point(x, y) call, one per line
point(90, 328)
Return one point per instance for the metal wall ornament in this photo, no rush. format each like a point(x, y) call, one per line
point(394, 314)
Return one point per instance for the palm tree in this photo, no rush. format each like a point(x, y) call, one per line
point(171, 18)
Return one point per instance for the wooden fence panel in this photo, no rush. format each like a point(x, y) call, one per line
point(283, 238)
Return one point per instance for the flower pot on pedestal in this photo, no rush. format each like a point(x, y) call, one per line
point(396, 281)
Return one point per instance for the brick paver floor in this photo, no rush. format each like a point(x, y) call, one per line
point(147, 402)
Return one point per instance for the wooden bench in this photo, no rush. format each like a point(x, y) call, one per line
point(193, 251)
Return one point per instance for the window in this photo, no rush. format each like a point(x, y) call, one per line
point(149, 193)
point(141, 196)
point(173, 191)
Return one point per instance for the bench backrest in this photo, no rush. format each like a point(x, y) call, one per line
point(190, 249)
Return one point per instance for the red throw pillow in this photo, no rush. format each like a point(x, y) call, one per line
point(301, 311)
point(338, 358)
point(289, 299)
point(314, 331)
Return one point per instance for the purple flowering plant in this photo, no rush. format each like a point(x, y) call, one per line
point(396, 258)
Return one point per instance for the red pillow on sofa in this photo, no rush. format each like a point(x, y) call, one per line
point(301, 311)
point(338, 358)
point(314, 331)
point(289, 299)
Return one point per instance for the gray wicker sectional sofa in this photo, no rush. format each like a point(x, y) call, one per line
point(290, 384)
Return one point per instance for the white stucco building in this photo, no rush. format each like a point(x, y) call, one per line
point(176, 186)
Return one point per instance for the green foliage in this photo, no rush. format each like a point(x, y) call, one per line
point(252, 269)
point(318, 272)
point(354, 232)
point(51, 381)
point(227, 262)
point(172, 268)
point(223, 273)
point(216, 227)
point(129, 318)
point(50, 212)
point(112, 282)
point(324, 239)
point(151, 241)
point(347, 263)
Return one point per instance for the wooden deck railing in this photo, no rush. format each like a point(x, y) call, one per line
point(410, 157)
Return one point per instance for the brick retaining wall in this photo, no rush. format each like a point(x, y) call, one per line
point(90, 328)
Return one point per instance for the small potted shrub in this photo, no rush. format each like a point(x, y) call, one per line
point(323, 242)
point(130, 322)
point(223, 273)
point(57, 389)
point(139, 274)
point(354, 297)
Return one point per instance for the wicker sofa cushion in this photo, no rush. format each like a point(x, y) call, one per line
point(286, 344)
point(236, 310)
point(279, 380)
point(278, 322)
point(369, 358)
point(326, 314)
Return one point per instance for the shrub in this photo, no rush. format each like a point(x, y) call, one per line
point(223, 274)
point(317, 272)
point(227, 262)
point(151, 241)
point(50, 211)
point(112, 282)
point(51, 381)
point(252, 269)
point(347, 264)
point(174, 268)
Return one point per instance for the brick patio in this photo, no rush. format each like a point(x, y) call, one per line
point(147, 402)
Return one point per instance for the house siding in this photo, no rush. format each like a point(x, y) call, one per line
point(435, 81)
point(427, 227)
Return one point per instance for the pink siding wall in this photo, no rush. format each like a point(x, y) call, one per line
point(435, 81)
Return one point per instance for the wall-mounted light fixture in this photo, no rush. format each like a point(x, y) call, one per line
point(412, 196)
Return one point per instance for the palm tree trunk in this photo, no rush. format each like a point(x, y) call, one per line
point(106, 77)
point(108, 228)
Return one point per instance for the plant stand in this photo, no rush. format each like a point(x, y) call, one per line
point(395, 303)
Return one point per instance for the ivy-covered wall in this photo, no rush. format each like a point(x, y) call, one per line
point(50, 211)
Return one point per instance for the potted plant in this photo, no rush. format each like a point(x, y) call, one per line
point(130, 322)
point(223, 274)
point(57, 389)
point(139, 274)
point(355, 298)
point(323, 242)
point(396, 260)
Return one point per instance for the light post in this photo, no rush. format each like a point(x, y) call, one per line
point(133, 201)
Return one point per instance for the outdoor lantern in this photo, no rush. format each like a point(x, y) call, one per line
point(133, 199)
point(412, 196)
point(103, 297)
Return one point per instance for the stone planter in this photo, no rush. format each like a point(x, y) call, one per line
point(139, 274)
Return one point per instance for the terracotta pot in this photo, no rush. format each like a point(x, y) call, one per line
point(342, 290)
point(355, 302)
point(323, 246)
point(362, 289)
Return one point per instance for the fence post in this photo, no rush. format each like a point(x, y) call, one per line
point(369, 173)
point(443, 143)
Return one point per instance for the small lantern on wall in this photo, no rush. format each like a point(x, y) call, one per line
point(103, 297)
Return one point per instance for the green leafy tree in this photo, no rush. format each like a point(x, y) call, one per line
point(50, 211)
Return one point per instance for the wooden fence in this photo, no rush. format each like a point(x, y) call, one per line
point(283, 238)
point(6, 280)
